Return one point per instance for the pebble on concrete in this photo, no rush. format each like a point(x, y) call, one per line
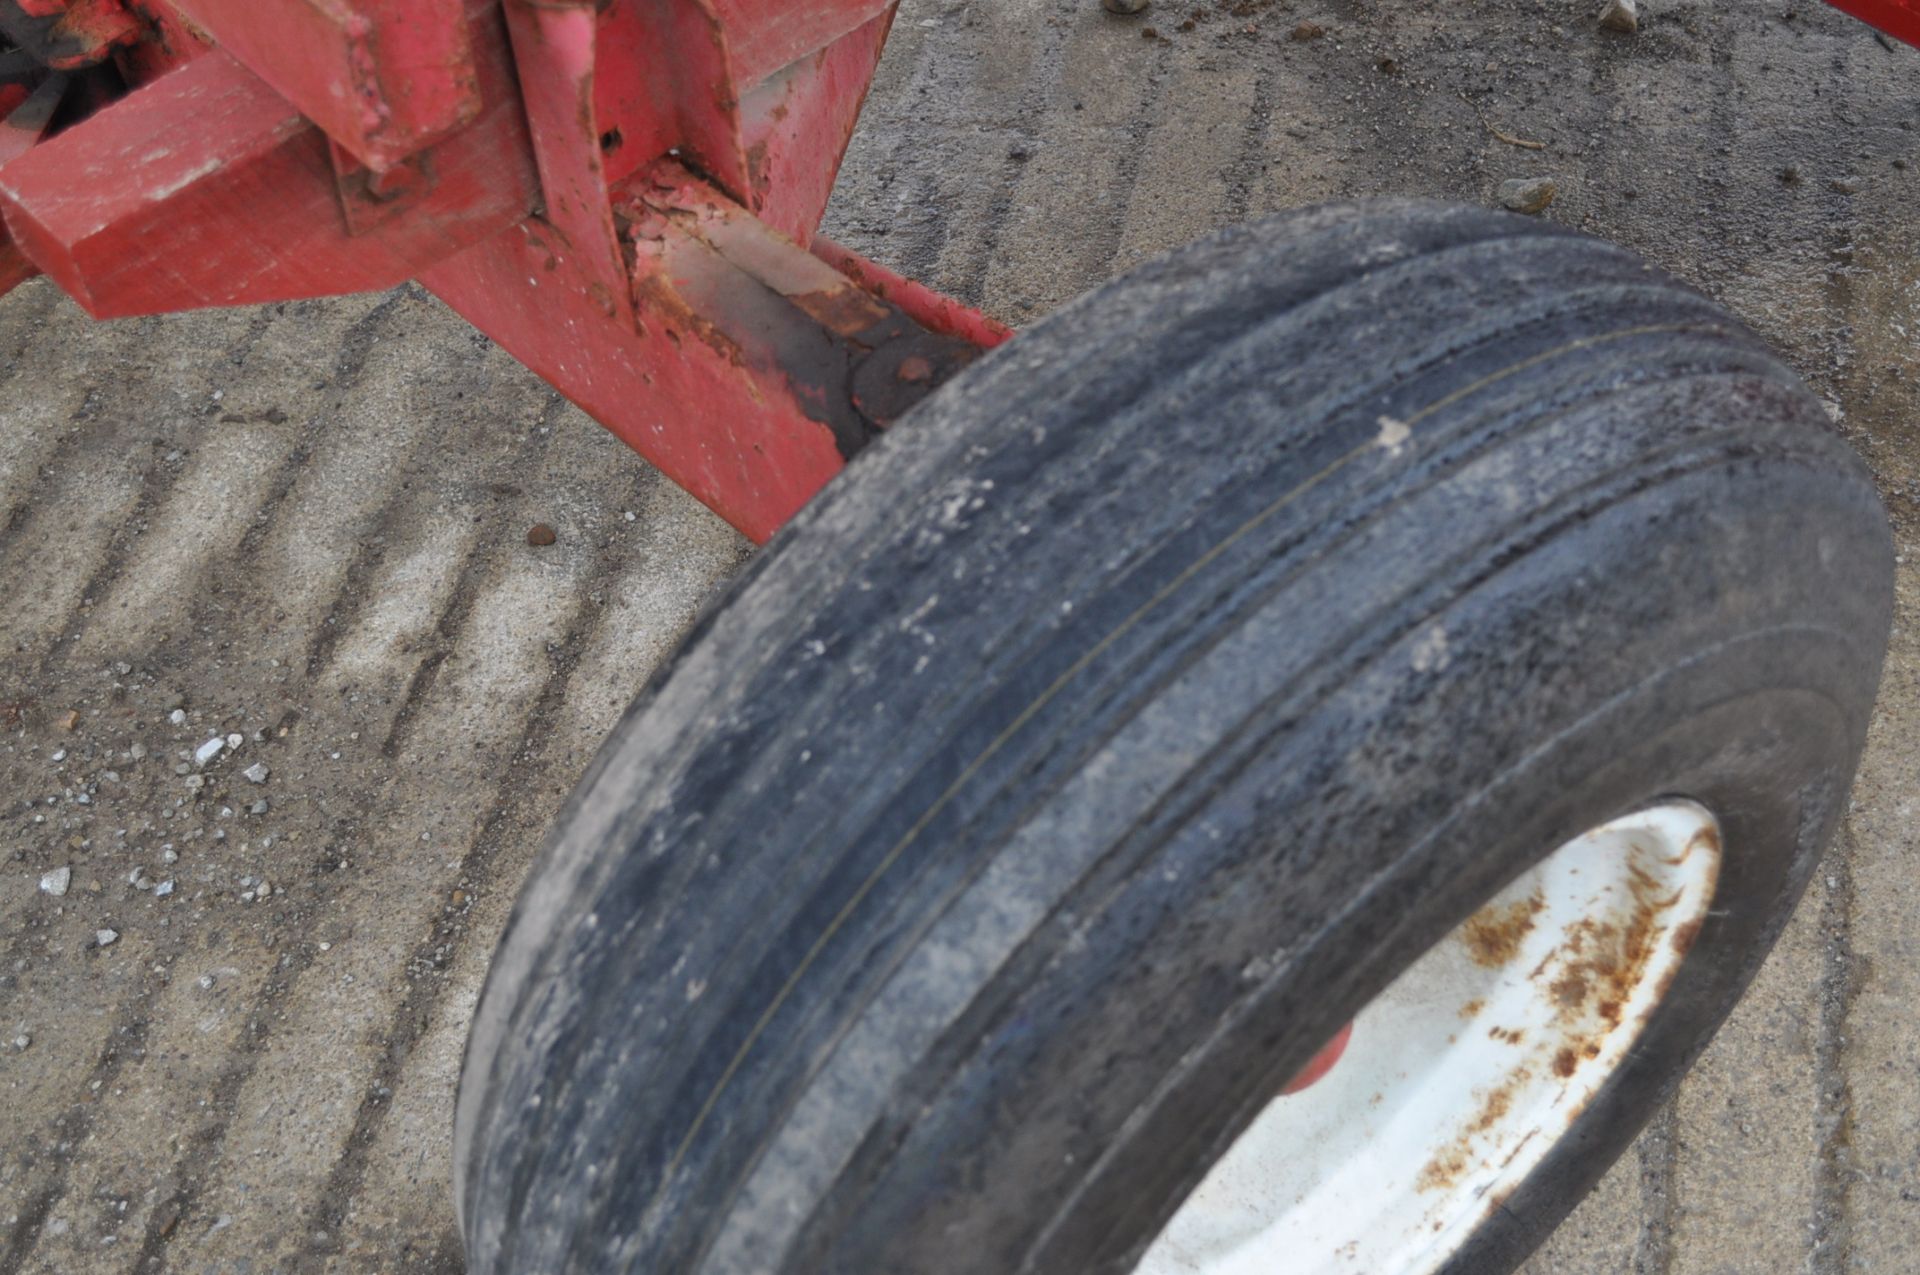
point(1620, 15)
point(208, 751)
point(105, 938)
point(541, 536)
point(1529, 195)
point(256, 774)
point(56, 881)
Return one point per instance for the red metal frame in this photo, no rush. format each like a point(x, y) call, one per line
point(1898, 18)
point(622, 193)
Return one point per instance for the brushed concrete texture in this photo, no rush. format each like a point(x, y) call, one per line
point(307, 525)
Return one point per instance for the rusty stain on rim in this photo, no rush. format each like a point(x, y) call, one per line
point(1467, 1071)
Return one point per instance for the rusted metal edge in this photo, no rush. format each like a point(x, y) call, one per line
point(854, 361)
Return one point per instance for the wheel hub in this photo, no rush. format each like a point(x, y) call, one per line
point(1465, 1072)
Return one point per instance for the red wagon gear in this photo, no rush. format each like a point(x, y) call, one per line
point(1351, 654)
point(633, 217)
point(630, 216)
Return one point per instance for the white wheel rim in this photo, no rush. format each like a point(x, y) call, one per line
point(1464, 1073)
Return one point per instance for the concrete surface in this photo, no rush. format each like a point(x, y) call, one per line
point(307, 525)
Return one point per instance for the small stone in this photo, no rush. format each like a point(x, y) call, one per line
point(205, 982)
point(59, 754)
point(541, 536)
point(1125, 6)
point(70, 720)
point(162, 890)
point(630, 516)
point(22, 1041)
point(136, 751)
point(208, 751)
point(458, 898)
point(169, 855)
point(234, 741)
point(1844, 185)
point(1529, 195)
point(1620, 15)
point(326, 947)
point(139, 880)
point(258, 808)
point(1307, 31)
point(56, 881)
point(264, 891)
point(256, 774)
point(196, 782)
point(178, 717)
point(105, 938)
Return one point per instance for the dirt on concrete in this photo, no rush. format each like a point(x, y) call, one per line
point(416, 589)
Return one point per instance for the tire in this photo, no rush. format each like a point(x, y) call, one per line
point(1128, 718)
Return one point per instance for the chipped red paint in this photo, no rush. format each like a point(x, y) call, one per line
point(741, 377)
point(767, 36)
point(796, 125)
point(930, 309)
point(384, 78)
point(556, 44)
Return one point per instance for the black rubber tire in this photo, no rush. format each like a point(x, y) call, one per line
point(1132, 714)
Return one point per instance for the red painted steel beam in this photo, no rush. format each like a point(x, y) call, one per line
point(753, 370)
point(796, 124)
point(558, 47)
point(664, 82)
point(693, 77)
point(931, 310)
point(208, 188)
point(383, 78)
point(767, 36)
point(1898, 18)
point(611, 89)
